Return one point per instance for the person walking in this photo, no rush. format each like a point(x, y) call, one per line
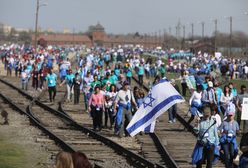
point(228, 141)
point(195, 104)
point(69, 84)
point(76, 86)
point(96, 108)
point(207, 141)
point(51, 80)
point(35, 78)
point(24, 78)
point(109, 103)
point(141, 73)
point(243, 94)
point(172, 111)
point(225, 99)
point(124, 99)
point(183, 78)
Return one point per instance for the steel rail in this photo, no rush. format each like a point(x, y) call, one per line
point(184, 123)
point(135, 158)
point(167, 158)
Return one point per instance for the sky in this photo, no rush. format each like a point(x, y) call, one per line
point(127, 16)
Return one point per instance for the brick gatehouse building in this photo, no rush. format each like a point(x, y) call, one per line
point(96, 36)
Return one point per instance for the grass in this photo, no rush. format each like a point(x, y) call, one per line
point(154, 59)
point(11, 155)
point(238, 82)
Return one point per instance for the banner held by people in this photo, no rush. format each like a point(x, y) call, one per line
point(161, 97)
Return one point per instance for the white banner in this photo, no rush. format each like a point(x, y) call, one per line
point(244, 115)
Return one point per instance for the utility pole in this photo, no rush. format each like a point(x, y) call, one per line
point(164, 43)
point(176, 32)
point(183, 31)
point(170, 37)
point(144, 41)
point(230, 49)
point(215, 35)
point(203, 24)
point(159, 37)
point(36, 24)
point(73, 36)
point(156, 39)
point(183, 45)
point(192, 31)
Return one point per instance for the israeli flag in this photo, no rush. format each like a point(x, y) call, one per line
point(161, 97)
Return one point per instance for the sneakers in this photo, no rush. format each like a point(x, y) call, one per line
point(172, 121)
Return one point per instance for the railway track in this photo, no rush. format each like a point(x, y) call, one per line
point(33, 135)
point(177, 141)
point(148, 146)
point(57, 125)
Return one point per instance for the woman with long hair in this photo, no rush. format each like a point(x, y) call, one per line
point(226, 98)
point(108, 103)
point(195, 103)
point(80, 160)
point(64, 160)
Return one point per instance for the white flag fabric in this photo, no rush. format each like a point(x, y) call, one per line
point(161, 97)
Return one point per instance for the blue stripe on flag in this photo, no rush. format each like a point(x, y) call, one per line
point(148, 128)
point(153, 112)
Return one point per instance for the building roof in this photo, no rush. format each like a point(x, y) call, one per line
point(64, 37)
point(124, 39)
point(96, 28)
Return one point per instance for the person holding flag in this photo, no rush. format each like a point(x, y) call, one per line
point(124, 99)
point(154, 105)
point(172, 111)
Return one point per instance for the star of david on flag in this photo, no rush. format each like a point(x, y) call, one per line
point(161, 97)
point(148, 102)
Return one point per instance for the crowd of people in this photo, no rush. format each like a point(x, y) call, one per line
point(103, 78)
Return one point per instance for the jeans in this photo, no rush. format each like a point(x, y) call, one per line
point(129, 79)
point(76, 94)
point(35, 83)
point(172, 112)
point(69, 92)
point(50, 91)
point(86, 100)
point(41, 82)
point(243, 163)
point(228, 154)
point(25, 84)
point(122, 120)
point(184, 88)
point(108, 114)
point(208, 153)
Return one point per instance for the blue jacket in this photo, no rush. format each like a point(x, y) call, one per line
point(198, 152)
point(225, 139)
point(243, 162)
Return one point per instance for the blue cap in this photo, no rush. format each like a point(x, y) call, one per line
point(126, 83)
